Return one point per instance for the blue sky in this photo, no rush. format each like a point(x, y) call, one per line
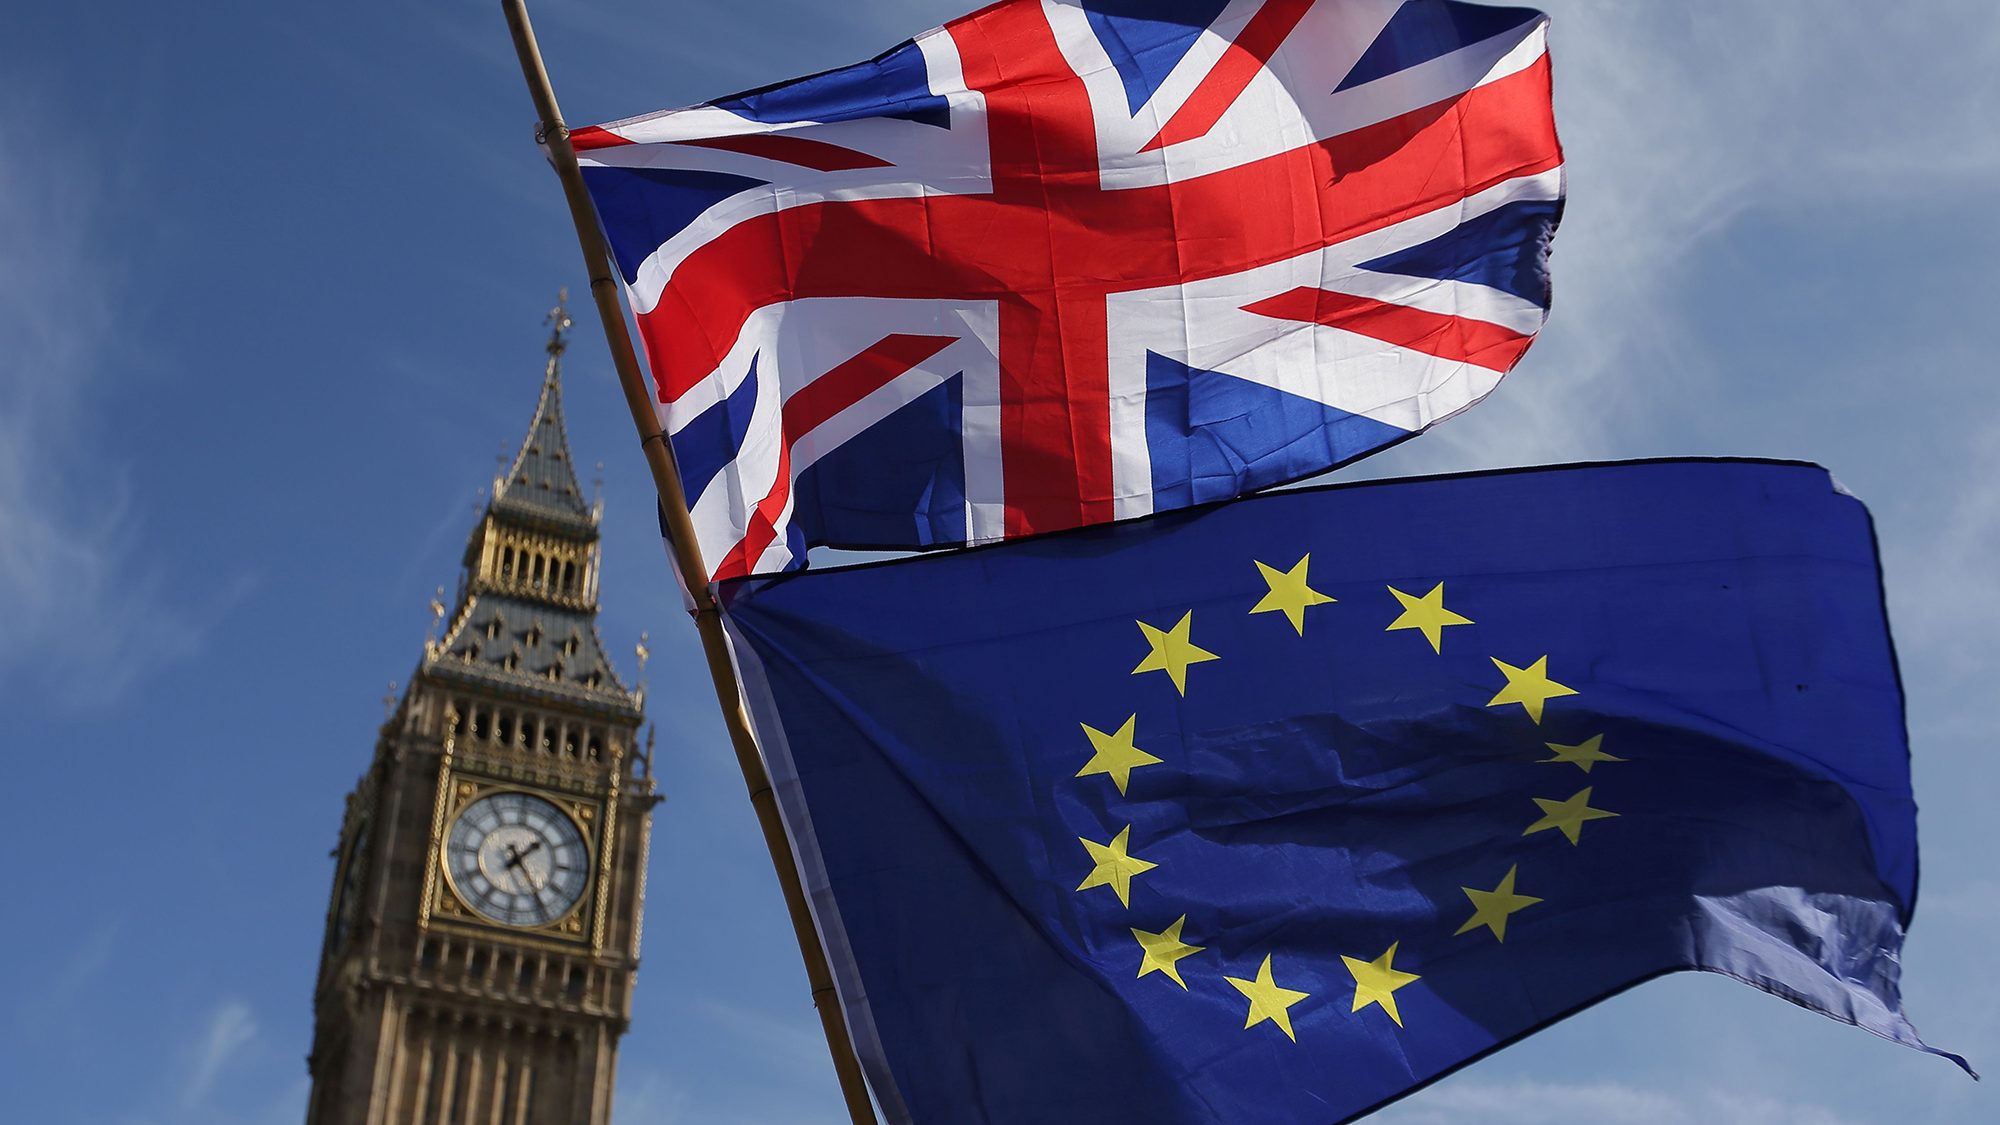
point(271, 281)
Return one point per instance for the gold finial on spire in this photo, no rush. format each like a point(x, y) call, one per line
point(437, 618)
point(559, 322)
point(644, 653)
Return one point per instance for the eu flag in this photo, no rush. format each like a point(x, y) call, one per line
point(1277, 810)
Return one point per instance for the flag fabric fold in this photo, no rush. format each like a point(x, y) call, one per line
point(1060, 262)
point(1278, 809)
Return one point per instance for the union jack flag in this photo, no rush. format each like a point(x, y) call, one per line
point(1067, 261)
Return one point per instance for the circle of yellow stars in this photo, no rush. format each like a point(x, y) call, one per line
point(1171, 649)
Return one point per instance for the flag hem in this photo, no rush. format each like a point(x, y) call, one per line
point(761, 709)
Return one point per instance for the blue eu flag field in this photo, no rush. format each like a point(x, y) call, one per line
point(1277, 810)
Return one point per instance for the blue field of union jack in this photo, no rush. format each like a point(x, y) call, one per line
point(1066, 261)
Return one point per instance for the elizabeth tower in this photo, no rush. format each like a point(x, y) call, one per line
point(484, 928)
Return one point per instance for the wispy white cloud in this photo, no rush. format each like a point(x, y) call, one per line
point(649, 1097)
point(1678, 120)
point(51, 1004)
point(84, 616)
point(1945, 570)
point(231, 1027)
point(1525, 1102)
point(712, 38)
point(1976, 902)
point(795, 1083)
point(789, 1047)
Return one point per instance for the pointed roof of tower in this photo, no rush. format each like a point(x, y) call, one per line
point(541, 483)
point(526, 618)
point(530, 648)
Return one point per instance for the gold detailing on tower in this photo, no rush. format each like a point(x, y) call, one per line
point(438, 608)
point(527, 564)
point(436, 851)
point(607, 847)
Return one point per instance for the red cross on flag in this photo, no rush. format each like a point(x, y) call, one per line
point(1066, 261)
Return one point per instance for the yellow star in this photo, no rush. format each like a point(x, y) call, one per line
point(1115, 754)
point(1172, 651)
point(1492, 908)
point(1290, 594)
point(1530, 687)
point(1568, 815)
point(1376, 982)
point(1115, 865)
point(1583, 755)
point(1164, 949)
point(1427, 614)
point(1267, 1000)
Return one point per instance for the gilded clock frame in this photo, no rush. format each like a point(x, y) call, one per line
point(578, 814)
point(445, 908)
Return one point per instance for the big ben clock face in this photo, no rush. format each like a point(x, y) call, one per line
point(517, 859)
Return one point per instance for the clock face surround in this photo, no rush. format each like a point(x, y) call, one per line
point(516, 859)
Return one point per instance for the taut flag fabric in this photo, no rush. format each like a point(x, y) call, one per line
point(1276, 810)
point(1067, 261)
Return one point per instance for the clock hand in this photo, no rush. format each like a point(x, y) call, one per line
point(528, 877)
point(514, 858)
point(514, 861)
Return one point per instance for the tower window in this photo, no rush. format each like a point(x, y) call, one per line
point(428, 957)
point(574, 984)
point(506, 728)
point(525, 975)
point(596, 745)
point(479, 727)
point(476, 965)
point(569, 743)
point(507, 563)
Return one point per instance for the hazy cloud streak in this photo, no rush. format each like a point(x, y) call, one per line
point(80, 606)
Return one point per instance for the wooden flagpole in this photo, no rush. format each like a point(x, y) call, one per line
point(688, 560)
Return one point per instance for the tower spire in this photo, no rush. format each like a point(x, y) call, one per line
point(542, 482)
point(526, 608)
